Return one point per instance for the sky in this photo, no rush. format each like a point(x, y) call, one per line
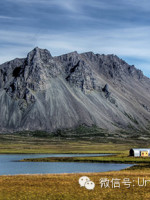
point(119, 27)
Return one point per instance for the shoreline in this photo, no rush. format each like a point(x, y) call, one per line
point(120, 159)
point(11, 153)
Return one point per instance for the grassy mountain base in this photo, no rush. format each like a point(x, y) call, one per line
point(82, 139)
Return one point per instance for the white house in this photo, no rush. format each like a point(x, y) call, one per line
point(139, 152)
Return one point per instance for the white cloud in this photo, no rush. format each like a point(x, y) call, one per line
point(131, 42)
point(9, 17)
point(69, 5)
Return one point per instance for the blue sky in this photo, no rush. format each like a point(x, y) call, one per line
point(120, 27)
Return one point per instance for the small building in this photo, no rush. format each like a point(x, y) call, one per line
point(139, 152)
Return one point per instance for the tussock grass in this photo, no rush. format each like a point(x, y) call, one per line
point(66, 187)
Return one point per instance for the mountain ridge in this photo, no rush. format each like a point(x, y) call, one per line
point(41, 92)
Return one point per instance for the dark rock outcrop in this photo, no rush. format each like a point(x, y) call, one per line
point(106, 91)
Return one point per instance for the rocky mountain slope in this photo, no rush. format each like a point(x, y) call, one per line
point(42, 92)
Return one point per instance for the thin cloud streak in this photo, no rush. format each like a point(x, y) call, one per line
point(69, 5)
point(9, 18)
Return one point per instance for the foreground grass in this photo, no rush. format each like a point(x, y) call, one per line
point(66, 187)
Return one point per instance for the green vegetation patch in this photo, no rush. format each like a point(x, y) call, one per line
point(120, 158)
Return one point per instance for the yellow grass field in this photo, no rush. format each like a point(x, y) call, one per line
point(66, 186)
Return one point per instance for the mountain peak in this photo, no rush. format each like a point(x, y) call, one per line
point(38, 55)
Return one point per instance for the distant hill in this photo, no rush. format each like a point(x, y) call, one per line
point(48, 93)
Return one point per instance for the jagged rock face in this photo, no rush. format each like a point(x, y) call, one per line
point(25, 76)
point(42, 92)
point(77, 71)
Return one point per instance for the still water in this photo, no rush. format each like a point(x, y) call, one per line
point(10, 165)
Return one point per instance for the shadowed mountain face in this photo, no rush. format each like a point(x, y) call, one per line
point(42, 92)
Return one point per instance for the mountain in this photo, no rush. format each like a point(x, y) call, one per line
point(41, 92)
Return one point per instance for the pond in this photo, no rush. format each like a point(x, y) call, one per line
point(10, 165)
